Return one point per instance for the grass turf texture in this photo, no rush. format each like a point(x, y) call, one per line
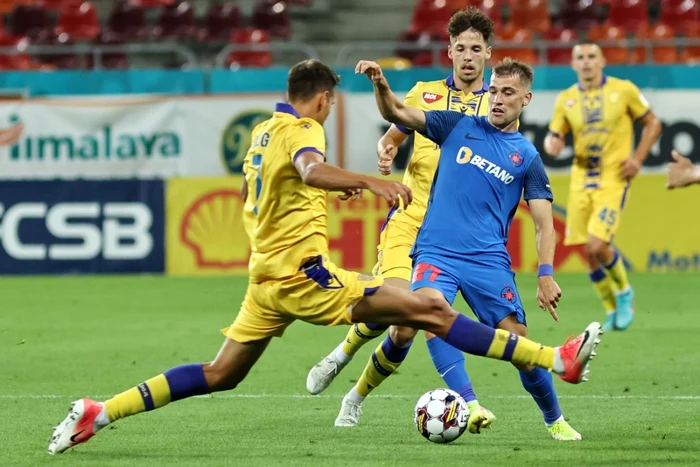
point(62, 338)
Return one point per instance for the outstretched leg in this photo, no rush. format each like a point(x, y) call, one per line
point(229, 368)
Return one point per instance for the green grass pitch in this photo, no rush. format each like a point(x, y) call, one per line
point(62, 338)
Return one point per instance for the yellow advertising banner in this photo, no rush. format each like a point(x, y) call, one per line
point(205, 234)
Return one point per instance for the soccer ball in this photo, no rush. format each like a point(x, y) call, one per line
point(441, 415)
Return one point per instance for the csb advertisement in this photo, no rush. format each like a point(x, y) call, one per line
point(66, 227)
point(205, 235)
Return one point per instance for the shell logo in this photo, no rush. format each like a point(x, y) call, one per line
point(212, 229)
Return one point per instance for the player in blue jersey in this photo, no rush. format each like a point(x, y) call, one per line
point(485, 167)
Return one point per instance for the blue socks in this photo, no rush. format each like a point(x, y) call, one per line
point(538, 382)
point(186, 381)
point(449, 362)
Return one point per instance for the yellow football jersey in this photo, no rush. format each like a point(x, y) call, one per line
point(601, 121)
point(284, 218)
point(433, 95)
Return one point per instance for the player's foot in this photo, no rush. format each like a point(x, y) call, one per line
point(575, 355)
point(480, 418)
point(79, 426)
point(350, 412)
point(322, 375)
point(609, 324)
point(625, 309)
point(562, 431)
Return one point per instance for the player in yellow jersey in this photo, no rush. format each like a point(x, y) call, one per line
point(599, 110)
point(291, 277)
point(464, 91)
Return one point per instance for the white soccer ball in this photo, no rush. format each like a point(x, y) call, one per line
point(441, 415)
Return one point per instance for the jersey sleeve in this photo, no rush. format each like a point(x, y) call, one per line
point(440, 123)
point(306, 136)
point(410, 99)
point(537, 182)
point(637, 104)
point(559, 125)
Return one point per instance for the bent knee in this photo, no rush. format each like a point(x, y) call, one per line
point(595, 248)
point(219, 377)
point(402, 335)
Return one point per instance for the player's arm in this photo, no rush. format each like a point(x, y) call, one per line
point(388, 146)
point(244, 188)
point(682, 172)
point(558, 128)
point(390, 106)
point(639, 109)
point(316, 173)
point(538, 194)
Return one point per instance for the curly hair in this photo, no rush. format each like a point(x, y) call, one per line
point(470, 18)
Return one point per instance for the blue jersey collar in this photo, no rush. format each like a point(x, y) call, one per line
point(450, 80)
point(286, 108)
point(602, 83)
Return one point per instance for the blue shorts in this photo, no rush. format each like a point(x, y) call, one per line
point(490, 291)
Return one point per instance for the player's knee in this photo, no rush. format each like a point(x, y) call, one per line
point(595, 249)
point(436, 312)
point(220, 377)
point(402, 335)
point(520, 367)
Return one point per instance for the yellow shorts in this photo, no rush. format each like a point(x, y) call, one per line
point(395, 243)
point(595, 212)
point(320, 293)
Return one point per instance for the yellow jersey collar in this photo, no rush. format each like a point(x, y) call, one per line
point(450, 81)
point(602, 83)
point(286, 108)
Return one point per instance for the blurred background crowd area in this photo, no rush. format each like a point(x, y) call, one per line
point(120, 34)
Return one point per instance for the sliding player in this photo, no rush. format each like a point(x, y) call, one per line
point(463, 91)
point(600, 110)
point(291, 277)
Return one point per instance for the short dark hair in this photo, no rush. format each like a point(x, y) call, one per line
point(587, 42)
point(470, 18)
point(308, 78)
point(511, 67)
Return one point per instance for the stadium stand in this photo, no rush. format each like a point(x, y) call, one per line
point(289, 30)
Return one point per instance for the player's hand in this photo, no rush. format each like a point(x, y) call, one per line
point(681, 172)
point(386, 159)
point(390, 191)
point(371, 69)
point(548, 295)
point(630, 168)
point(553, 144)
point(351, 194)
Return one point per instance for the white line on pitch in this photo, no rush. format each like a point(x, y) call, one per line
point(339, 396)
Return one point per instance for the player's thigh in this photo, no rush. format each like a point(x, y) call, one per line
point(492, 294)
point(395, 306)
point(608, 205)
point(324, 294)
point(396, 241)
point(258, 319)
point(233, 362)
point(578, 212)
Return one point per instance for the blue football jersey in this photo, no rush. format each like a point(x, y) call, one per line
point(481, 176)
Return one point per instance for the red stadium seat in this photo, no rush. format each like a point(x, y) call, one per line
point(606, 32)
point(562, 54)
point(431, 16)
point(219, 21)
point(257, 59)
point(110, 61)
point(153, 3)
point(29, 21)
point(62, 61)
point(15, 62)
point(57, 4)
point(126, 22)
point(176, 21)
point(529, 14)
point(578, 14)
point(273, 17)
point(79, 21)
point(691, 54)
point(416, 39)
point(512, 33)
point(660, 53)
point(628, 14)
point(679, 12)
